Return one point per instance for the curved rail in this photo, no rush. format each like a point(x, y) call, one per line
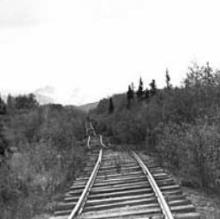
point(79, 206)
point(100, 139)
point(101, 142)
point(124, 187)
point(92, 128)
point(163, 204)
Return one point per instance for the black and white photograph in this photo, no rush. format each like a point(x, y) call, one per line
point(109, 109)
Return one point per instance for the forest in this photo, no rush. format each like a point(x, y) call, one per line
point(180, 124)
point(41, 152)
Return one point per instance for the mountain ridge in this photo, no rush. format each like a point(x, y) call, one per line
point(88, 106)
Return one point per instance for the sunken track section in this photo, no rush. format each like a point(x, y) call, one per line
point(122, 189)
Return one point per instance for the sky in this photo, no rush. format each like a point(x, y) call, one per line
point(79, 51)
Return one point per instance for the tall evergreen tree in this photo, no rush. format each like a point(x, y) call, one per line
point(153, 87)
point(140, 91)
point(130, 95)
point(111, 106)
point(168, 79)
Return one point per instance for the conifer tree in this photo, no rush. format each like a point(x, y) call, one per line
point(111, 106)
point(153, 88)
point(168, 79)
point(140, 91)
point(130, 95)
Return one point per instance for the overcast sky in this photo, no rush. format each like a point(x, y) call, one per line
point(78, 51)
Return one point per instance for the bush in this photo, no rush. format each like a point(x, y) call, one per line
point(47, 155)
point(181, 124)
point(193, 150)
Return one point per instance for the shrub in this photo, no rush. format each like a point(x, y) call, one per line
point(193, 150)
point(181, 123)
point(48, 155)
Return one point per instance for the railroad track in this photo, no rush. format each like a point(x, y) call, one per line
point(124, 184)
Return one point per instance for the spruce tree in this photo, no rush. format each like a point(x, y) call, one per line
point(153, 88)
point(130, 95)
point(111, 106)
point(140, 91)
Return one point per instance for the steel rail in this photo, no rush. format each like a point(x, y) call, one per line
point(92, 128)
point(101, 141)
point(79, 206)
point(163, 204)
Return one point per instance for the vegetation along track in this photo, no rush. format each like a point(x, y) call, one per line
point(119, 184)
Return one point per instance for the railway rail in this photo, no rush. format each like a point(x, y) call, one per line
point(124, 184)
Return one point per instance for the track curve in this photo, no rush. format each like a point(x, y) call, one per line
point(118, 184)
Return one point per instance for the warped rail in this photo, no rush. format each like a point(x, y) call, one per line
point(79, 206)
point(163, 204)
point(123, 184)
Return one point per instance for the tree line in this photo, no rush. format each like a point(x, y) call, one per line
point(41, 150)
point(141, 94)
point(17, 103)
point(180, 123)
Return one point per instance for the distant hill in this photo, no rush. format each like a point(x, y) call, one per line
point(89, 106)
